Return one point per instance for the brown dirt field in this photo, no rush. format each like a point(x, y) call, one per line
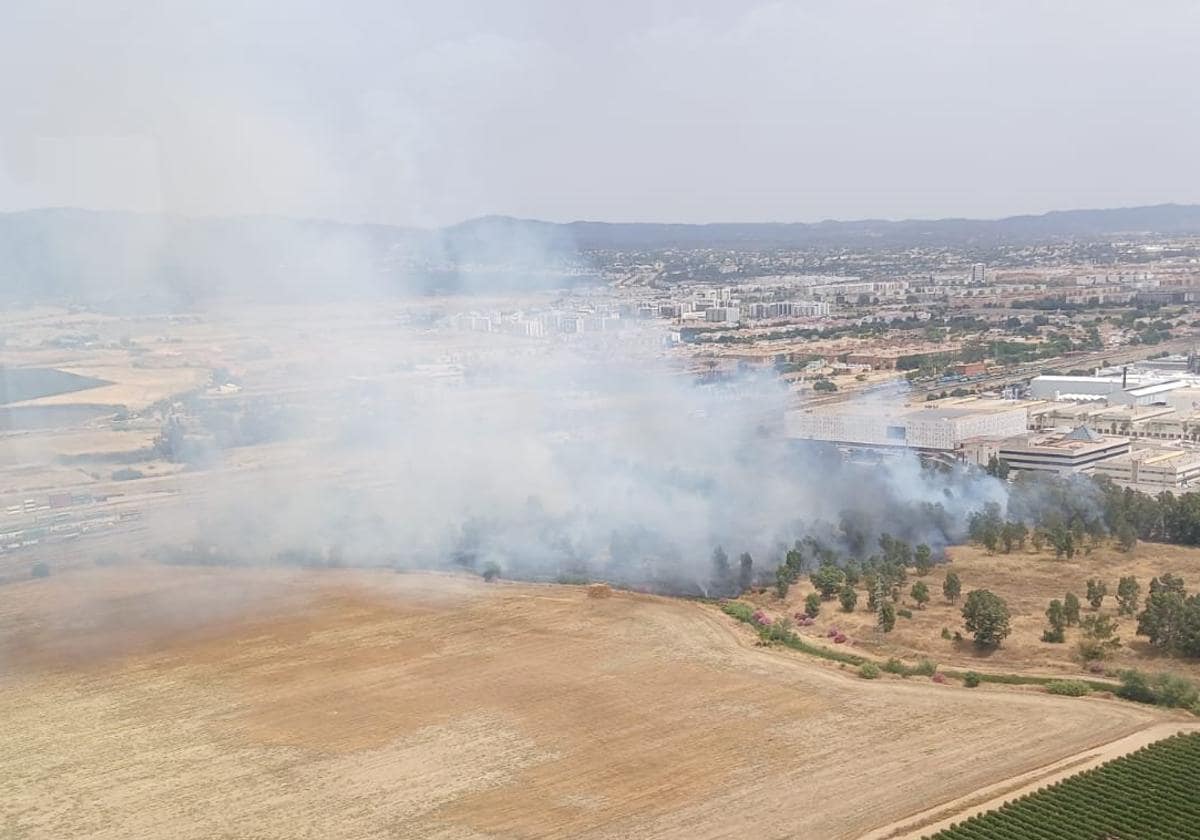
point(196, 703)
point(1028, 582)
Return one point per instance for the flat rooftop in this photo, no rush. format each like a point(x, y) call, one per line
point(1076, 442)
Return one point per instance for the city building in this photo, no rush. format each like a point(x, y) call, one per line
point(929, 428)
point(1153, 471)
point(1077, 450)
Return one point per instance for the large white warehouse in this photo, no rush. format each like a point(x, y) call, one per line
point(934, 428)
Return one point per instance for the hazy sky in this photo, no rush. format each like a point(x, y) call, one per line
point(432, 112)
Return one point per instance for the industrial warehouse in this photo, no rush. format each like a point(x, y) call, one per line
point(1138, 426)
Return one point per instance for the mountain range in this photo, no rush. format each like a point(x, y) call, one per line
point(89, 256)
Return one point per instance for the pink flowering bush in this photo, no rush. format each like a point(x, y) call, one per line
point(761, 618)
point(831, 632)
point(939, 678)
point(839, 639)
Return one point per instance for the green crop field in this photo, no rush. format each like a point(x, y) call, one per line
point(1152, 793)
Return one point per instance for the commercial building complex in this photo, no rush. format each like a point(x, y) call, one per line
point(929, 428)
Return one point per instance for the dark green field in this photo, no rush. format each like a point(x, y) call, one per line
point(1152, 793)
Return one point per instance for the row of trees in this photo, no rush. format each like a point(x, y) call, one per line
point(1170, 619)
point(1068, 513)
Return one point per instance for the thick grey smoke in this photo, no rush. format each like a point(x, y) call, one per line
point(588, 459)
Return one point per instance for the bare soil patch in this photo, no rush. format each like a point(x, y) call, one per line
point(185, 703)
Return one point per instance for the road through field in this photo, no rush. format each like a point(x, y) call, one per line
point(210, 703)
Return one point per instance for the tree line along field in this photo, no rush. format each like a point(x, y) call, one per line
point(1152, 793)
point(1026, 580)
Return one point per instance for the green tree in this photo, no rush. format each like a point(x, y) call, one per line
point(1126, 535)
point(923, 558)
point(1057, 617)
point(783, 581)
point(490, 572)
point(875, 595)
point(951, 586)
point(848, 598)
point(1127, 595)
point(812, 605)
point(1096, 590)
point(887, 616)
point(794, 561)
point(920, 594)
point(1071, 609)
point(853, 572)
point(1171, 618)
point(1013, 535)
point(827, 580)
point(986, 616)
point(1099, 637)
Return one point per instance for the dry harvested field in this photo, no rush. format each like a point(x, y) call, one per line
point(195, 703)
point(1027, 581)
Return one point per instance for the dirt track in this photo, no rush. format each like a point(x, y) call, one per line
point(355, 705)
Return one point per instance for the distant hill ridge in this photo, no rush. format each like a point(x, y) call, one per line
point(86, 255)
point(1153, 219)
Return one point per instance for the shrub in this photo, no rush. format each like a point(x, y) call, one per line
point(920, 593)
point(1055, 635)
point(839, 639)
point(848, 598)
point(739, 610)
point(1135, 686)
point(1068, 688)
point(971, 679)
point(40, 570)
point(925, 667)
point(904, 613)
point(894, 666)
point(939, 678)
point(1162, 689)
point(946, 634)
point(777, 631)
point(1176, 692)
point(490, 572)
point(887, 617)
point(812, 605)
point(868, 671)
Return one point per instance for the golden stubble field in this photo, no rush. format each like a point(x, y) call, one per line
point(1027, 581)
point(152, 702)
